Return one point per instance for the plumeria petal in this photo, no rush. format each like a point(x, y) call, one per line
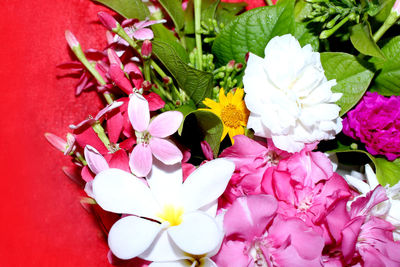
point(207, 183)
point(165, 151)
point(165, 124)
point(140, 160)
point(179, 263)
point(121, 192)
point(163, 249)
point(197, 234)
point(138, 112)
point(131, 236)
point(95, 160)
point(165, 182)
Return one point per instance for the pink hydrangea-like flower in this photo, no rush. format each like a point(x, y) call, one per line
point(376, 122)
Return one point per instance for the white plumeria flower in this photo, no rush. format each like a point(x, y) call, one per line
point(172, 219)
point(388, 209)
point(192, 262)
point(289, 98)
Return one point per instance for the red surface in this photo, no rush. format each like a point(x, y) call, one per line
point(42, 222)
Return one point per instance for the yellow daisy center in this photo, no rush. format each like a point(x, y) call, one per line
point(171, 214)
point(231, 116)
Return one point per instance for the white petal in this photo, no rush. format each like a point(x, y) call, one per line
point(163, 249)
point(371, 177)
point(206, 183)
point(165, 182)
point(179, 263)
point(358, 184)
point(207, 262)
point(132, 235)
point(118, 191)
point(287, 143)
point(198, 233)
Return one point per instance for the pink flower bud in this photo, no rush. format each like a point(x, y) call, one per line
point(146, 48)
point(71, 39)
point(108, 21)
point(113, 57)
point(396, 7)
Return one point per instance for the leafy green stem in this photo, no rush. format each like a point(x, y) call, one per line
point(390, 20)
point(197, 23)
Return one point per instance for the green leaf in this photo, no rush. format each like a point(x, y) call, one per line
point(352, 77)
point(176, 46)
point(302, 10)
point(163, 33)
point(175, 11)
point(197, 84)
point(251, 31)
point(209, 126)
point(387, 172)
point(130, 9)
point(304, 35)
point(209, 13)
point(361, 38)
point(386, 7)
point(387, 82)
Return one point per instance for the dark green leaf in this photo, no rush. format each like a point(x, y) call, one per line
point(175, 11)
point(209, 13)
point(387, 82)
point(130, 9)
point(251, 31)
point(352, 77)
point(210, 127)
point(361, 38)
point(305, 36)
point(197, 84)
point(177, 47)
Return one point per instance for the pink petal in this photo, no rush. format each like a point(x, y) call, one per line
point(141, 160)
point(155, 101)
point(248, 216)
point(118, 76)
point(82, 83)
point(108, 21)
point(349, 237)
point(138, 112)
point(145, 23)
point(73, 174)
point(165, 124)
point(207, 151)
point(83, 124)
point(71, 39)
point(128, 144)
point(129, 22)
point(89, 137)
point(135, 73)
point(233, 250)
point(115, 124)
point(165, 151)
point(120, 160)
point(107, 109)
point(95, 160)
point(113, 58)
point(56, 141)
point(143, 34)
point(87, 176)
point(362, 205)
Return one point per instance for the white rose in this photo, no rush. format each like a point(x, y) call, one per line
point(289, 98)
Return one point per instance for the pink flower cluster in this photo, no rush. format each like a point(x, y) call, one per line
point(291, 210)
point(376, 122)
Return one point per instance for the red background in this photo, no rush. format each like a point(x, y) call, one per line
point(42, 222)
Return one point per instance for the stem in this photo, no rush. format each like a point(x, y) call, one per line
point(158, 69)
point(82, 58)
point(325, 34)
point(108, 97)
point(101, 134)
point(390, 20)
point(146, 69)
point(80, 158)
point(269, 2)
point(197, 23)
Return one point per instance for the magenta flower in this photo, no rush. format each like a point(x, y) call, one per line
point(139, 29)
point(257, 236)
point(150, 136)
point(376, 122)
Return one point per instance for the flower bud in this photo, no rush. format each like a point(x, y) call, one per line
point(146, 49)
point(71, 39)
point(108, 21)
point(396, 7)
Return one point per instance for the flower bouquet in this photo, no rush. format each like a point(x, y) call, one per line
point(265, 134)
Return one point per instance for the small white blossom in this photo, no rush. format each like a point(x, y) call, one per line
point(289, 97)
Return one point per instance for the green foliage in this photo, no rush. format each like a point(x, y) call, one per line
point(175, 12)
point(387, 81)
point(196, 84)
point(130, 9)
point(251, 31)
point(361, 38)
point(351, 75)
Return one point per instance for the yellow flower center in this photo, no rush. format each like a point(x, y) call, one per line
point(231, 116)
point(171, 214)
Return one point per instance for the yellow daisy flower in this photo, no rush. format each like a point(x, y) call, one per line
point(231, 110)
